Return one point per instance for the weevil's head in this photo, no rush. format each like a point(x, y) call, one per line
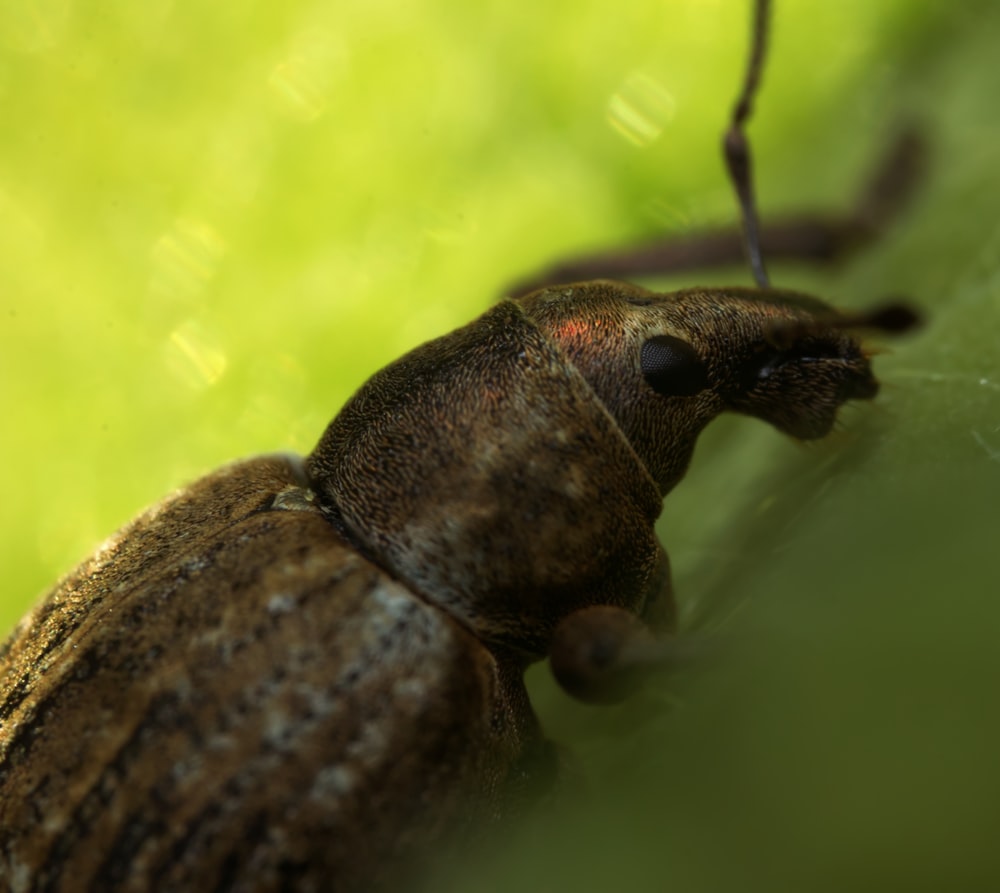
point(665, 365)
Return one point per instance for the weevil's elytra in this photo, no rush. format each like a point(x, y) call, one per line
point(214, 693)
point(307, 674)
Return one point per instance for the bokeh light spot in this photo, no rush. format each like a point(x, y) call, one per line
point(185, 259)
point(299, 89)
point(194, 356)
point(640, 109)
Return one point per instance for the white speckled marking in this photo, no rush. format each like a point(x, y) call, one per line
point(280, 604)
point(337, 780)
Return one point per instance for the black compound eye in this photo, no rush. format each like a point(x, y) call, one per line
point(672, 367)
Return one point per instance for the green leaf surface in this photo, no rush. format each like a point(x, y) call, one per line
point(216, 220)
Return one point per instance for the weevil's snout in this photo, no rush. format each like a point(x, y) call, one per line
point(865, 387)
point(800, 388)
point(804, 365)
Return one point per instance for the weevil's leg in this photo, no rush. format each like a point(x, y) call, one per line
point(601, 653)
point(814, 237)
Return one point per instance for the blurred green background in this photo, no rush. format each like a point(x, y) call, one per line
point(216, 220)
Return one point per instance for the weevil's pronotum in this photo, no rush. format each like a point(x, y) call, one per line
point(302, 673)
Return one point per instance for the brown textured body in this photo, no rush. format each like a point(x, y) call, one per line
point(308, 675)
point(228, 691)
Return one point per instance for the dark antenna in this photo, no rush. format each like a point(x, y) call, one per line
point(736, 147)
point(891, 318)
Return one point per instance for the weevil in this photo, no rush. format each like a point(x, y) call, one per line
point(305, 673)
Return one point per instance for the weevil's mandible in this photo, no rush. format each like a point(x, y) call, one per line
point(305, 674)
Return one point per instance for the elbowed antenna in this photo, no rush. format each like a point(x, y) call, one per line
point(736, 146)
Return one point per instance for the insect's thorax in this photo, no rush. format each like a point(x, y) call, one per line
point(483, 470)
